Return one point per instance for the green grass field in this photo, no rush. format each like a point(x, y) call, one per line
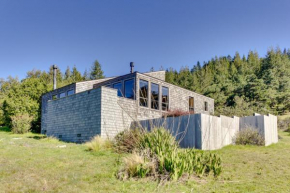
point(285, 116)
point(32, 163)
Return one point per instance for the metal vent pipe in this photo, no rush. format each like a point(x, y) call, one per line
point(54, 67)
point(132, 67)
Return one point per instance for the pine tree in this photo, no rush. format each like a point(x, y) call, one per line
point(96, 71)
point(86, 76)
point(76, 75)
point(67, 73)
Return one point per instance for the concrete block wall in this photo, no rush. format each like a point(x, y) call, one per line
point(265, 124)
point(114, 115)
point(76, 118)
point(208, 132)
point(48, 96)
point(80, 117)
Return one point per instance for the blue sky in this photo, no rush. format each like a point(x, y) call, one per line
point(35, 34)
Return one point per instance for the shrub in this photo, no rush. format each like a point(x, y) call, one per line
point(21, 123)
point(98, 144)
point(175, 161)
point(249, 136)
point(284, 124)
point(172, 162)
point(176, 113)
point(127, 141)
point(138, 164)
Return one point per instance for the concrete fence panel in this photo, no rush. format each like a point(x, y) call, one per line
point(208, 132)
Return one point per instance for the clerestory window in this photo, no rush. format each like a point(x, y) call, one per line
point(165, 98)
point(154, 96)
point(143, 93)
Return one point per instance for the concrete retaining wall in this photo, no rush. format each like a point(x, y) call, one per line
point(208, 132)
point(266, 125)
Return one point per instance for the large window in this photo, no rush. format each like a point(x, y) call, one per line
point(118, 86)
point(70, 92)
point(165, 98)
point(129, 89)
point(206, 106)
point(154, 96)
point(143, 93)
point(62, 95)
point(191, 104)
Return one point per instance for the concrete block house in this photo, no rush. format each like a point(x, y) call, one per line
point(79, 111)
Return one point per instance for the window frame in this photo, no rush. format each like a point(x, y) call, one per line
point(190, 108)
point(121, 90)
point(67, 93)
point(146, 99)
point(134, 88)
point(166, 103)
point(205, 106)
point(152, 98)
point(59, 95)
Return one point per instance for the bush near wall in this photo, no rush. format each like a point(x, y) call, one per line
point(177, 113)
point(284, 124)
point(21, 123)
point(157, 154)
point(128, 140)
point(98, 144)
point(249, 136)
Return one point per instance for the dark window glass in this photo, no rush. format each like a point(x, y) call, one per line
point(165, 98)
point(143, 93)
point(54, 97)
point(129, 89)
point(191, 104)
point(154, 96)
point(70, 92)
point(118, 86)
point(62, 95)
point(205, 106)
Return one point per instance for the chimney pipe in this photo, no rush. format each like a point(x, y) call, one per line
point(54, 67)
point(132, 66)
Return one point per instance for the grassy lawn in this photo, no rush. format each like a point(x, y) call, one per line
point(32, 163)
point(285, 116)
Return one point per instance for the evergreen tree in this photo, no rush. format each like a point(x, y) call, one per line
point(67, 74)
point(86, 76)
point(96, 71)
point(76, 75)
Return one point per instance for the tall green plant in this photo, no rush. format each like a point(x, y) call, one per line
point(174, 161)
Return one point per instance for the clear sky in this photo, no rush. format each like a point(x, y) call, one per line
point(35, 34)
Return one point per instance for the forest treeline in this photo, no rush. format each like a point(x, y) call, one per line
point(241, 85)
point(24, 97)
